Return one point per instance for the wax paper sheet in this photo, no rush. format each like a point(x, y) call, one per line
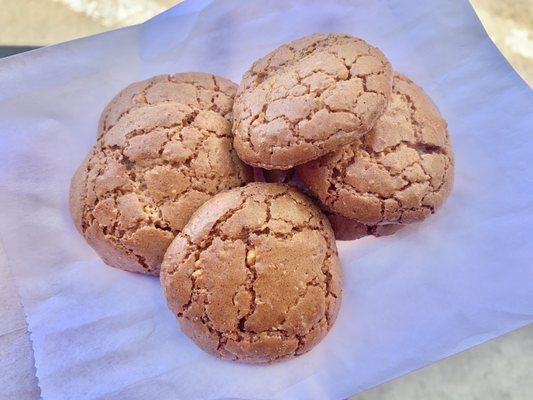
point(433, 289)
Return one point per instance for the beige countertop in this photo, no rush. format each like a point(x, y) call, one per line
point(17, 371)
point(41, 22)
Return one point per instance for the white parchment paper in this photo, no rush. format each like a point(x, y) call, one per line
point(453, 281)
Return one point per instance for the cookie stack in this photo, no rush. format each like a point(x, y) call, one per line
point(251, 269)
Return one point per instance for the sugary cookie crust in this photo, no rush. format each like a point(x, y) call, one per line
point(400, 172)
point(254, 276)
point(343, 228)
point(307, 98)
point(147, 175)
point(197, 90)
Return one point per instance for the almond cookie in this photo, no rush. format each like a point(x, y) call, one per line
point(254, 276)
point(400, 172)
point(307, 98)
point(198, 90)
point(146, 176)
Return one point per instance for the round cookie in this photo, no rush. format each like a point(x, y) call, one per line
point(197, 90)
point(400, 172)
point(146, 176)
point(307, 98)
point(254, 276)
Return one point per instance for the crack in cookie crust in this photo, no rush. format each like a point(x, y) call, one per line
point(255, 274)
point(400, 172)
point(195, 89)
point(154, 166)
point(343, 228)
point(307, 98)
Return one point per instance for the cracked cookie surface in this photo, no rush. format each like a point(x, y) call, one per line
point(400, 172)
point(307, 98)
point(343, 228)
point(145, 177)
point(254, 276)
point(197, 90)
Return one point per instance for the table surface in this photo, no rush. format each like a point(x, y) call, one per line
point(17, 376)
point(509, 23)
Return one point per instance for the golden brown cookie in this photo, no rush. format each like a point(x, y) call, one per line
point(400, 172)
point(197, 90)
point(254, 276)
point(307, 98)
point(146, 176)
